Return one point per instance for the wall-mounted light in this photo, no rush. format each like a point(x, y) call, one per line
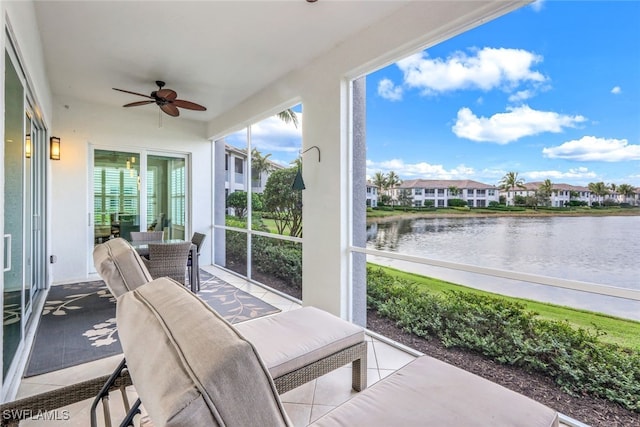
point(54, 148)
point(298, 182)
point(27, 146)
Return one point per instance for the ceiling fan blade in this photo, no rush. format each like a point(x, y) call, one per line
point(135, 104)
point(133, 93)
point(188, 105)
point(170, 109)
point(167, 94)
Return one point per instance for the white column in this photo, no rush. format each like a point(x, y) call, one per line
point(325, 209)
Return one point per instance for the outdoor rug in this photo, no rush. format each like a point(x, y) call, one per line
point(78, 322)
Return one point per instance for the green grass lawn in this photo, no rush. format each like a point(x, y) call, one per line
point(271, 225)
point(623, 332)
point(577, 211)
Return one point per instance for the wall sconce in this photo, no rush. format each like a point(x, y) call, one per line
point(27, 146)
point(54, 148)
point(298, 182)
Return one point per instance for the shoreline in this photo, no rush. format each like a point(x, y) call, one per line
point(391, 216)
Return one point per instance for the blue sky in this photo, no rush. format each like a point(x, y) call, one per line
point(551, 91)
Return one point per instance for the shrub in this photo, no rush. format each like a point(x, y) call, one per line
point(456, 203)
point(508, 333)
point(278, 258)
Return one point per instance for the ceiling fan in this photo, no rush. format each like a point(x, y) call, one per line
point(165, 99)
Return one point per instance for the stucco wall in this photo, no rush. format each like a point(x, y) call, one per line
point(78, 125)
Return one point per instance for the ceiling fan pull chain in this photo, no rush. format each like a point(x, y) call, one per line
point(159, 118)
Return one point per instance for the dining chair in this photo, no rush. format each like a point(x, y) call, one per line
point(168, 260)
point(197, 239)
point(146, 236)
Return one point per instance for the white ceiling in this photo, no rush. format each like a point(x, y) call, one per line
point(214, 53)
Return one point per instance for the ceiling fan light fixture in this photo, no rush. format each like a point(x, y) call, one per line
point(166, 99)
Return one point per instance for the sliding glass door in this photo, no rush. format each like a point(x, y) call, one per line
point(166, 195)
point(116, 194)
point(120, 205)
point(24, 265)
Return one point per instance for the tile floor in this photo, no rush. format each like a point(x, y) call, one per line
point(303, 405)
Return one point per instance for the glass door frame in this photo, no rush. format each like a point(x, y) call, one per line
point(33, 236)
point(142, 197)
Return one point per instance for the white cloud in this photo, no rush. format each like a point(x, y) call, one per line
point(537, 5)
point(388, 90)
point(556, 176)
point(422, 170)
point(591, 148)
point(517, 122)
point(616, 90)
point(485, 69)
point(521, 95)
point(271, 135)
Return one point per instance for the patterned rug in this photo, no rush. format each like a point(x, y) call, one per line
point(78, 323)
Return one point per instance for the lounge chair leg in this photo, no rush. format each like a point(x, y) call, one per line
point(359, 372)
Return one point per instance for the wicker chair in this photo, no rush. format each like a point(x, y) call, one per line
point(197, 239)
point(168, 259)
point(146, 236)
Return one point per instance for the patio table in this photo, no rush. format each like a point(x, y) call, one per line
point(143, 250)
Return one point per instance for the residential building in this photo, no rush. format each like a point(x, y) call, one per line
point(430, 192)
point(236, 176)
point(563, 194)
point(372, 195)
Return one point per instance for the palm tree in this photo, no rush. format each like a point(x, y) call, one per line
point(288, 116)
point(454, 191)
point(600, 189)
point(545, 190)
point(509, 182)
point(380, 181)
point(626, 190)
point(259, 165)
point(393, 180)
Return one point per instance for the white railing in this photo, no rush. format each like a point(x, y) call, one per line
point(575, 285)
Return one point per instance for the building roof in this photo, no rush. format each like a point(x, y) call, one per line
point(533, 186)
point(439, 183)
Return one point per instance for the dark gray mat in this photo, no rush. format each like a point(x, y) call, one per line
point(78, 323)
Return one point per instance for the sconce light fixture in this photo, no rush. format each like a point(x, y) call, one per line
point(54, 148)
point(27, 146)
point(298, 182)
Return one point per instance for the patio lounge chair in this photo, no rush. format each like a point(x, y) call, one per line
point(297, 346)
point(233, 387)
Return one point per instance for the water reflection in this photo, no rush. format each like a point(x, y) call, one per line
point(593, 249)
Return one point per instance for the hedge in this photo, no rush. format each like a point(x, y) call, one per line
point(506, 332)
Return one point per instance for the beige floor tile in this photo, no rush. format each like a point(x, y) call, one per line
point(389, 357)
point(319, 410)
point(373, 376)
point(298, 414)
point(385, 372)
point(303, 394)
point(372, 361)
point(71, 375)
point(334, 388)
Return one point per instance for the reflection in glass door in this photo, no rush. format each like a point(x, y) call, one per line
point(119, 205)
point(166, 200)
point(116, 194)
point(14, 173)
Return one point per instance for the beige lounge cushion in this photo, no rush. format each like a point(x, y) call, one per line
point(189, 366)
point(120, 266)
point(430, 392)
point(290, 340)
